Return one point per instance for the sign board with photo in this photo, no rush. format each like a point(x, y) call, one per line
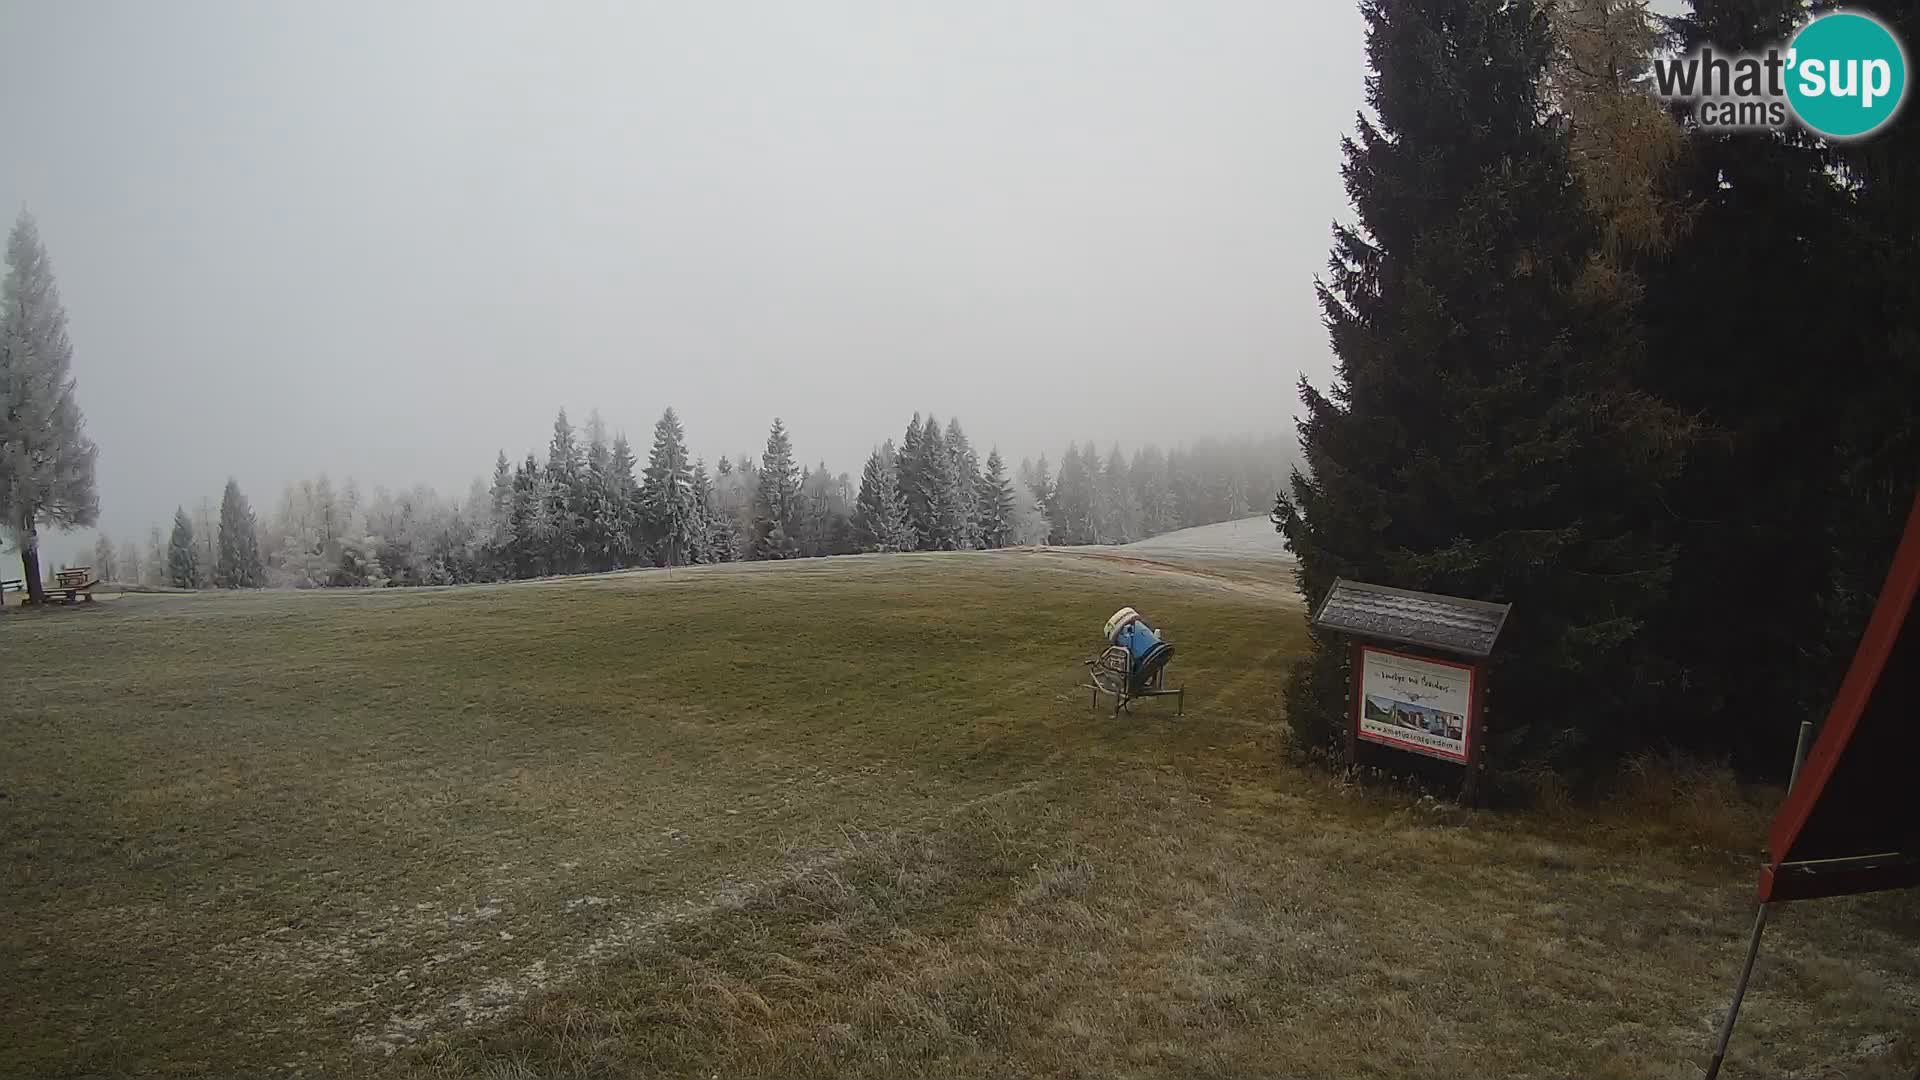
point(1415, 703)
point(1426, 693)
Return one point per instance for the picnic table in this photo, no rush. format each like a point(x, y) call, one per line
point(73, 585)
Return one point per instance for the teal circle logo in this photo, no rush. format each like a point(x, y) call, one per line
point(1846, 75)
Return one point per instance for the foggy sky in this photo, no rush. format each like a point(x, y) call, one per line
point(385, 240)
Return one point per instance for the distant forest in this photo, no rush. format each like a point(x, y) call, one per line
point(590, 504)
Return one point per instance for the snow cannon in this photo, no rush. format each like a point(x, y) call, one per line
point(1147, 652)
point(1132, 664)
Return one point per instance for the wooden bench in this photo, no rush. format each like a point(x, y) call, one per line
point(75, 582)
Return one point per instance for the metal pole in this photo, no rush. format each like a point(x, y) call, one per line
point(1759, 925)
point(1739, 991)
point(1799, 754)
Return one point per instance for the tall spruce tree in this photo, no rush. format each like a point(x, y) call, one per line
point(530, 522)
point(938, 475)
point(966, 466)
point(1122, 505)
point(1482, 437)
point(153, 571)
point(238, 565)
point(913, 482)
point(773, 504)
point(106, 560)
point(716, 539)
point(1880, 427)
point(1153, 492)
point(622, 502)
point(562, 490)
point(183, 556)
point(997, 507)
point(499, 533)
point(667, 501)
point(596, 537)
point(1757, 497)
point(1040, 485)
point(1072, 507)
point(880, 513)
point(46, 458)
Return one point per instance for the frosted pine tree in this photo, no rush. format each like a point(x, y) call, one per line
point(911, 477)
point(497, 543)
point(1122, 507)
point(773, 505)
point(153, 571)
point(667, 503)
point(596, 536)
point(996, 505)
point(1030, 525)
point(1071, 509)
point(1153, 492)
point(966, 464)
point(207, 535)
point(733, 495)
point(46, 459)
point(237, 564)
point(880, 512)
point(106, 563)
point(183, 556)
point(715, 542)
point(1037, 479)
point(620, 499)
point(565, 478)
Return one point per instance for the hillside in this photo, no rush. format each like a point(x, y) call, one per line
point(844, 816)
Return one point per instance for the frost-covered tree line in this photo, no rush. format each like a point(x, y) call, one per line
point(1114, 499)
point(591, 502)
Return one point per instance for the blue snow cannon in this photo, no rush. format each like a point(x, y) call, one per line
point(1146, 652)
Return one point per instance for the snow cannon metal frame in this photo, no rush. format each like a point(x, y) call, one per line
point(1133, 665)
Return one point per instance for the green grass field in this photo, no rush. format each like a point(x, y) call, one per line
point(842, 817)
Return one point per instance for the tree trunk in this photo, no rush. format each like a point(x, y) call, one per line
point(30, 565)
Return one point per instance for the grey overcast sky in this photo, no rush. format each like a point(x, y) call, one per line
point(383, 240)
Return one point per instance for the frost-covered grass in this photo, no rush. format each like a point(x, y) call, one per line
point(844, 816)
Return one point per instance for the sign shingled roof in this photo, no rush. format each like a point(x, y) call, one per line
point(1448, 623)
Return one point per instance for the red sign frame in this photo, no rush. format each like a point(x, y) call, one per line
point(1469, 755)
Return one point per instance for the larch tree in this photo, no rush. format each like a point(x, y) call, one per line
point(183, 555)
point(674, 529)
point(238, 563)
point(773, 505)
point(880, 512)
point(46, 458)
point(1482, 437)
